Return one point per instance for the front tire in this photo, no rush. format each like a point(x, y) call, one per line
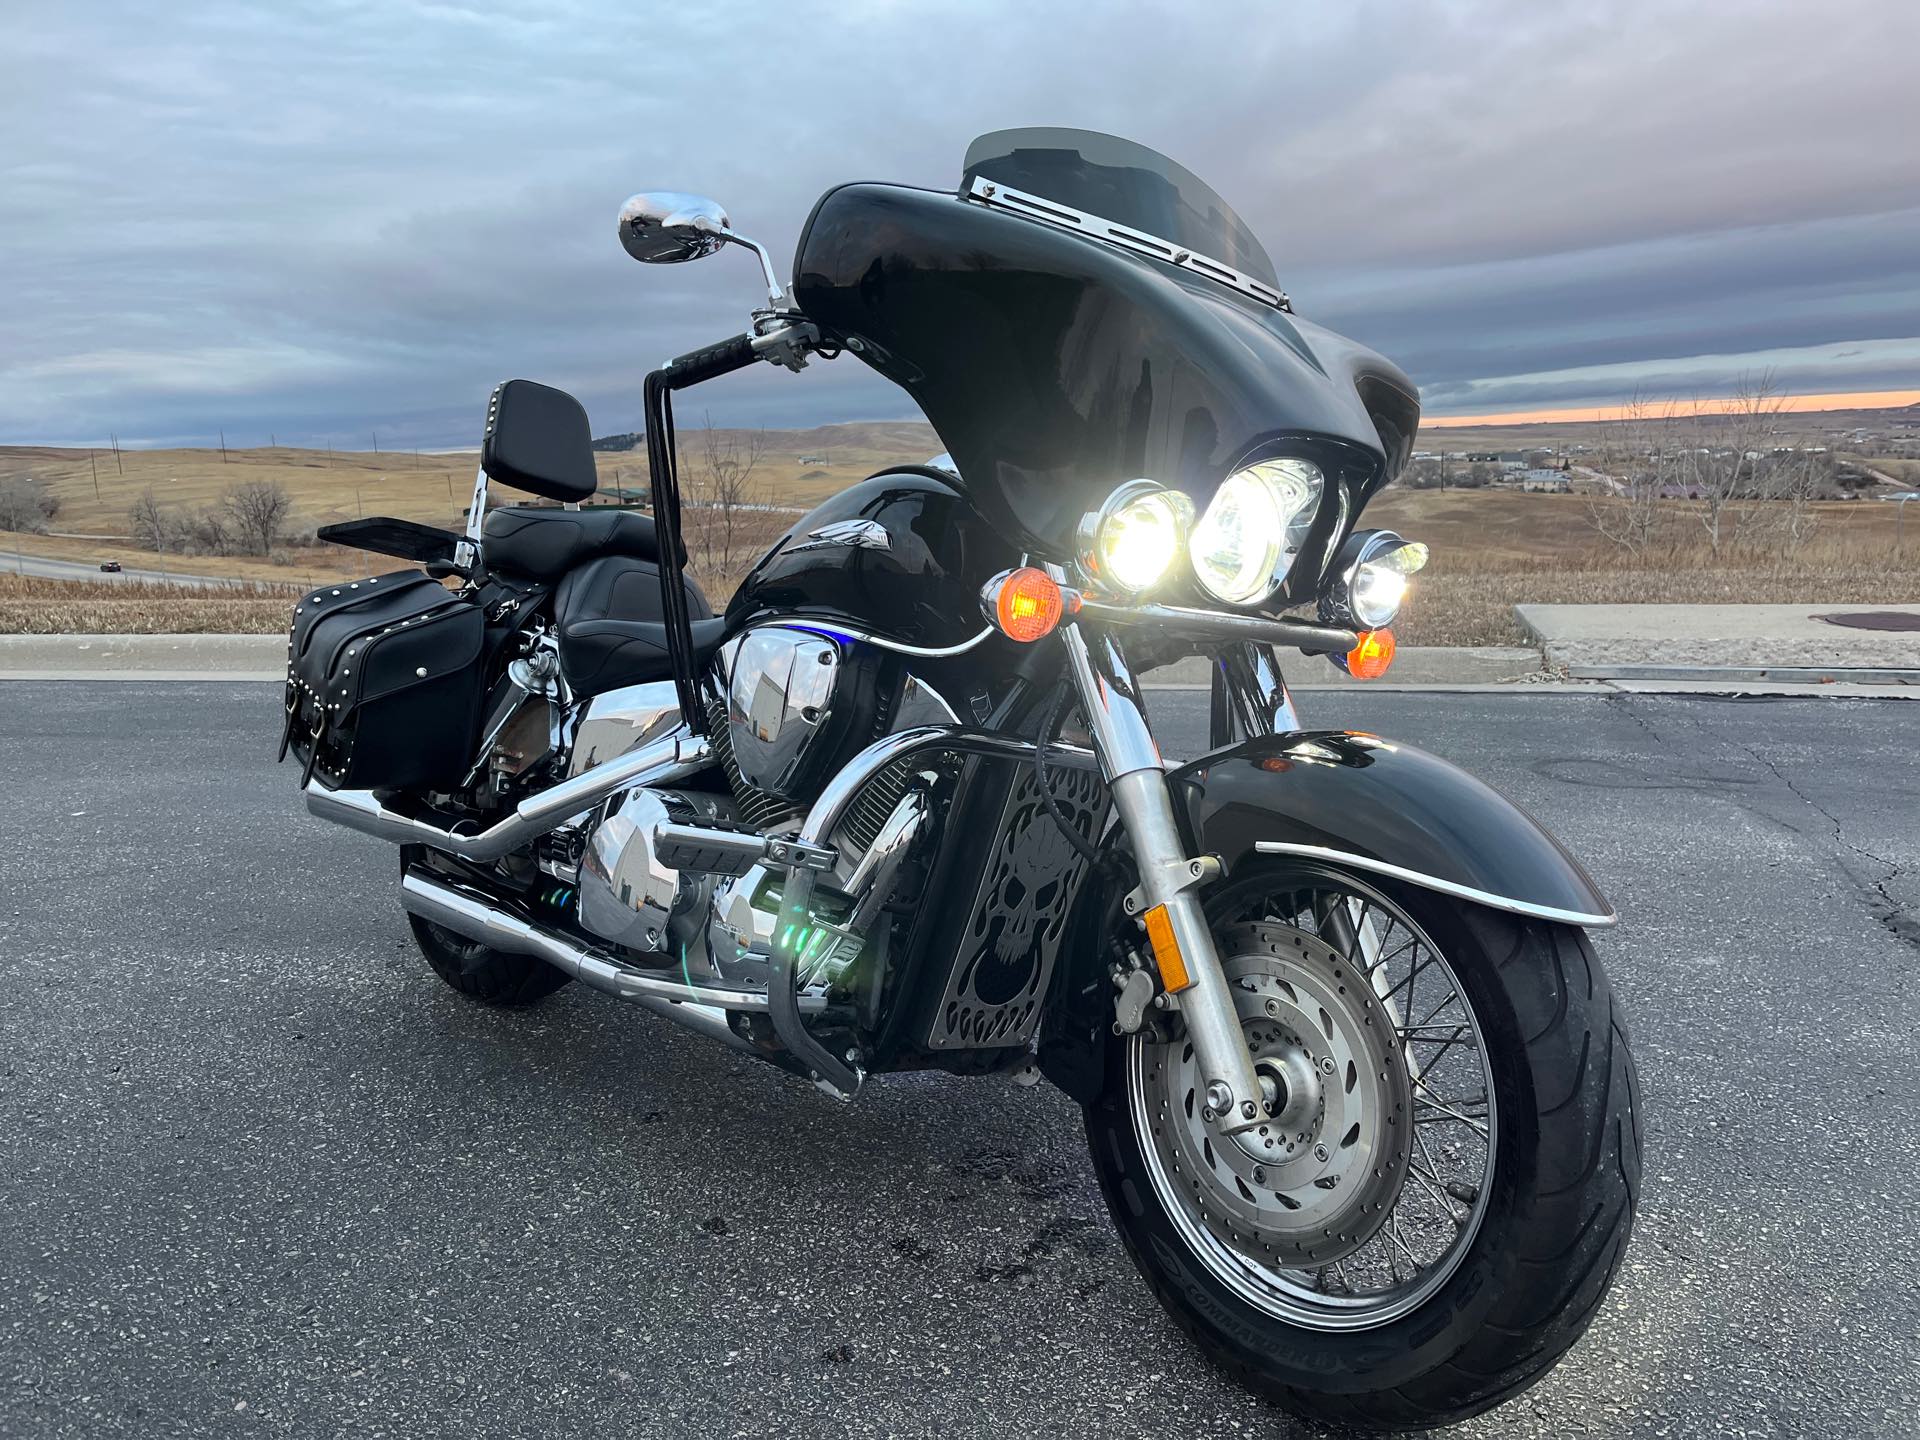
point(1538, 1235)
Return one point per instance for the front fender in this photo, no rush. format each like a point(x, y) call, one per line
point(1357, 800)
point(1378, 805)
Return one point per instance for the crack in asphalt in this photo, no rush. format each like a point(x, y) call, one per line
point(1884, 908)
point(1890, 912)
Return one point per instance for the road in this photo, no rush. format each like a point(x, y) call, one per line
point(22, 564)
point(261, 1173)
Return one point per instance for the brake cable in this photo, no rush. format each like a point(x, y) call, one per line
point(1088, 851)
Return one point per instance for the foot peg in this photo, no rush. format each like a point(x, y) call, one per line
point(705, 850)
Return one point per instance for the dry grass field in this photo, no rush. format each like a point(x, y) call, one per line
point(30, 605)
point(1491, 548)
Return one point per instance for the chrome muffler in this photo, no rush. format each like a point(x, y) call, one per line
point(673, 757)
point(701, 1008)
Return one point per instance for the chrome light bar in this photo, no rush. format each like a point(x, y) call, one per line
point(1038, 207)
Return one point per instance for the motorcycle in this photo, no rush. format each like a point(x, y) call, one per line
point(1356, 1089)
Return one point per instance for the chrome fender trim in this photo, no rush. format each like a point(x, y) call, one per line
point(1433, 882)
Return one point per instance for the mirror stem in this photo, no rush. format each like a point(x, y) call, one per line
point(776, 296)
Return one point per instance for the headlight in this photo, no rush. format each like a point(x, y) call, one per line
point(1245, 543)
point(1369, 579)
point(1131, 543)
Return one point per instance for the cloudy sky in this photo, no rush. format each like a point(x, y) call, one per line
point(315, 220)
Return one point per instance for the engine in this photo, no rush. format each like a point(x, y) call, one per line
point(799, 703)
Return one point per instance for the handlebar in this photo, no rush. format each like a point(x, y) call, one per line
point(709, 363)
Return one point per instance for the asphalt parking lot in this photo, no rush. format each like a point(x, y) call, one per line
point(261, 1173)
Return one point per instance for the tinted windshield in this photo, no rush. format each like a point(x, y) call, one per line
point(1118, 180)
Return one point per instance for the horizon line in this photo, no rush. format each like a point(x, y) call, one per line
point(1812, 403)
point(1806, 403)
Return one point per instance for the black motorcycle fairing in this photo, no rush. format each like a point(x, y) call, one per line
point(1356, 799)
point(902, 555)
point(1054, 366)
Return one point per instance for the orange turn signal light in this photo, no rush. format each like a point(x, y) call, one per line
point(1028, 605)
point(1370, 658)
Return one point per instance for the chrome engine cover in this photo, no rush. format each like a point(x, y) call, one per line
point(626, 894)
point(780, 701)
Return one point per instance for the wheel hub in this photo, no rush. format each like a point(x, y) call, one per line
point(1318, 1176)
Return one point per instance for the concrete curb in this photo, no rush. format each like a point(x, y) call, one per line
point(1502, 670)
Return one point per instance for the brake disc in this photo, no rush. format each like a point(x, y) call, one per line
point(1315, 1180)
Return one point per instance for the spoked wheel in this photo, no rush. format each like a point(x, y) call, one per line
point(1444, 1180)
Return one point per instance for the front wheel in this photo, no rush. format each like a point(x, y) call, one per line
point(1446, 1180)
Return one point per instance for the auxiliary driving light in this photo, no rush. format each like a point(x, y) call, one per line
point(1131, 542)
point(1368, 581)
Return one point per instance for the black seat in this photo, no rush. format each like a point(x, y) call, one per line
point(544, 545)
point(608, 615)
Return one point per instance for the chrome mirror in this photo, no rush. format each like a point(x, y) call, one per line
point(664, 227)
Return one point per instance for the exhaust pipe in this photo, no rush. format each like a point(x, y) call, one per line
point(668, 759)
point(700, 1008)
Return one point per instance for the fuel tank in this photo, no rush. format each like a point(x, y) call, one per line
point(900, 557)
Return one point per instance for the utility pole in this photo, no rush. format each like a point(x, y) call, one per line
point(96, 473)
point(376, 442)
point(116, 456)
point(223, 446)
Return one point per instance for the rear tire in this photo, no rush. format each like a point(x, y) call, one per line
point(479, 972)
point(1558, 1208)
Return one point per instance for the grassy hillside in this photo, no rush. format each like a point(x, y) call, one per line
point(1491, 547)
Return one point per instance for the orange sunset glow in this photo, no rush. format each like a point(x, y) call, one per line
point(1723, 405)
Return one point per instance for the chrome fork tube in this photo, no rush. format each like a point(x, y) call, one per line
point(1169, 877)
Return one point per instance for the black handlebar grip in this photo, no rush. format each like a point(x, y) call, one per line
point(715, 360)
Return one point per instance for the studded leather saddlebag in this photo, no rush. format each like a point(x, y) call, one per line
point(384, 680)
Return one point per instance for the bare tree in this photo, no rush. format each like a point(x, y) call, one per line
point(257, 512)
point(26, 504)
point(152, 525)
point(722, 497)
point(1728, 469)
point(1643, 460)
